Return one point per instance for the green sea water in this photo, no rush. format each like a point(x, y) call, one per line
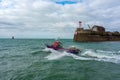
point(29, 59)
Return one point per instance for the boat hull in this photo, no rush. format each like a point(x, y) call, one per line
point(75, 51)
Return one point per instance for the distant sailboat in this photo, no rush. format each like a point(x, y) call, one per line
point(13, 37)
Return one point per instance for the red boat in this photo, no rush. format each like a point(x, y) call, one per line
point(72, 50)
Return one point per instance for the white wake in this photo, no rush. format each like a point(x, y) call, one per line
point(88, 54)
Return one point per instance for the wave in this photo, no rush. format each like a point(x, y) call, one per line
point(87, 54)
point(100, 55)
point(54, 54)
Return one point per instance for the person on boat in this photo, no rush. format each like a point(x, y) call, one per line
point(73, 49)
point(57, 44)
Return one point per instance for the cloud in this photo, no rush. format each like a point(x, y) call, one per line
point(48, 19)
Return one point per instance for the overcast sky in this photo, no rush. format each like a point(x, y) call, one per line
point(55, 18)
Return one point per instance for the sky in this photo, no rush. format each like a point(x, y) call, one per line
point(55, 18)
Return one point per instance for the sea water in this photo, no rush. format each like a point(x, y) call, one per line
point(29, 59)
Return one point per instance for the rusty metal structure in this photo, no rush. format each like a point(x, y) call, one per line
point(95, 34)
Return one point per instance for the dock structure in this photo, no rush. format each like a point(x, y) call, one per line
point(95, 34)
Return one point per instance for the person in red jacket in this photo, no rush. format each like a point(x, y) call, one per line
point(57, 44)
